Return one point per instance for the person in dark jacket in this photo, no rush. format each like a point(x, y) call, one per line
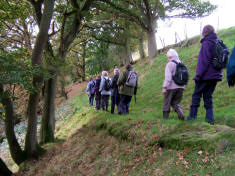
point(231, 69)
point(126, 92)
point(206, 76)
point(115, 93)
point(97, 93)
point(90, 91)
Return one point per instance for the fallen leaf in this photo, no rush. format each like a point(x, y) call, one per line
point(205, 159)
point(199, 153)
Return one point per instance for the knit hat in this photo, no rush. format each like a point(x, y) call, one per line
point(172, 53)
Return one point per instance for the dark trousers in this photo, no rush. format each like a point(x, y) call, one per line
point(124, 104)
point(91, 99)
point(203, 89)
point(115, 99)
point(172, 98)
point(97, 101)
point(105, 102)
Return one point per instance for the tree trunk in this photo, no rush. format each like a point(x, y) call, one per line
point(83, 69)
point(16, 152)
point(152, 46)
point(48, 117)
point(84, 63)
point(141, 47)
point(4, 171)
point(122, 55)
point(31, 144)
point(128, 52)
point(48, 93)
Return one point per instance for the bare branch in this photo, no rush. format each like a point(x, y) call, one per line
point(126, 13)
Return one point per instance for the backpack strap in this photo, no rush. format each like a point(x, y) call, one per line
point(213, 41)
point(174, 62)
point(129, 75)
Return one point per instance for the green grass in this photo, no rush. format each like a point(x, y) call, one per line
point(98, 143)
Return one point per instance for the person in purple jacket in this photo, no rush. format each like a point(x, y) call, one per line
point(206, 76)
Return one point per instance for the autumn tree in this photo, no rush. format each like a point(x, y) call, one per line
point(146, 13)
point(119, 33)
point(15, 70)
point(31, 144)
point(69, 16)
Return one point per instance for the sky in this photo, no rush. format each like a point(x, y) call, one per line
point(221, 18)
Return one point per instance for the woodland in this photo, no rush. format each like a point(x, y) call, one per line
point(46, 45)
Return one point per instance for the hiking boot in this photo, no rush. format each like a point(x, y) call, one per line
point(210, 116)
point(180, 113)
point(192, 114)
point(165, 115)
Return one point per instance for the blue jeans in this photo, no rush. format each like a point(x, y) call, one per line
point(91, 99)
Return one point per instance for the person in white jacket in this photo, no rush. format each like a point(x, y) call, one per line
point(173, 93)
point(105, 89)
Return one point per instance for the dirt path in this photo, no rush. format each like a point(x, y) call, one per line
point(75, 89)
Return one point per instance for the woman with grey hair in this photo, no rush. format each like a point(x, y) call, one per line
point(115, 97)
point(173, 92)
point(105, 89)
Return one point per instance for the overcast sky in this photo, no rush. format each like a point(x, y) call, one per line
point(221, 18)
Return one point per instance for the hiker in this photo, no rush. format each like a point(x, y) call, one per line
point(105, 89)
point(206, 76)
point(173, 92)
point(90, 91)
point(128, 83)
point(115, 97)
point(231, 69)
point(97, 93)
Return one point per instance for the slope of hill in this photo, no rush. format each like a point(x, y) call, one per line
point(142, 143)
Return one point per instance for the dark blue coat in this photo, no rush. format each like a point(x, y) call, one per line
point(114, 85)
point(231, 69)
point(205, 69)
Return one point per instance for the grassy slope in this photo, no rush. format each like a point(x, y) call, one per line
point(98, 143)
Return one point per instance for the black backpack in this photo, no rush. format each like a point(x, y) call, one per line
point(181, 74)
point(107, 84)
point(220, 54)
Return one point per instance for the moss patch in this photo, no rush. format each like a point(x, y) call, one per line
point(201, 136)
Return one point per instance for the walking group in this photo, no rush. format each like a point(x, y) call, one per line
point(121, 88)
point(212, 59)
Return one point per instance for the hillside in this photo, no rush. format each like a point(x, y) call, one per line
point(142, 143)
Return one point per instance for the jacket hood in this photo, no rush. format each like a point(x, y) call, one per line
point(175, 58)
point(106, 77)
point(212, 36)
